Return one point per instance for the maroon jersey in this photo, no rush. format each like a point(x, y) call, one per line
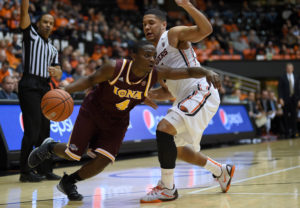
point(118, 96)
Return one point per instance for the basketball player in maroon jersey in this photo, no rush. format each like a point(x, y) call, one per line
point(104, 114)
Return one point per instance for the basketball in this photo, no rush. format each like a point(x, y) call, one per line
point(57, 105)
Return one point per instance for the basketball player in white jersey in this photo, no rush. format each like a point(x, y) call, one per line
point(179, 133)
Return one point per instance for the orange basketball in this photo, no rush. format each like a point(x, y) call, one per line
point(57, 105)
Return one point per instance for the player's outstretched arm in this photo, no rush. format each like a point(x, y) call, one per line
point(25, 18)
point(165, 72)
point(194, 33)
point(161, 93)
point(103, 74)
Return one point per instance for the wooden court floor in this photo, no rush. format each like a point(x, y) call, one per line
point(267, 176)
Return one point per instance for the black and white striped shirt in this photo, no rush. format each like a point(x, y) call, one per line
point(38, 53)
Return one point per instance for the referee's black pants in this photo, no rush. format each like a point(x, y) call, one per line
point(36, 126)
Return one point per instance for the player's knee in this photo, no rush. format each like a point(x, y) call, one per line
point(165, 126)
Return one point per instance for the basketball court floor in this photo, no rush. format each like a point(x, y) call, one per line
point(267, 175)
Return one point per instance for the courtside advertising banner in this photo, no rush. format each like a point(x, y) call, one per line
point(230, 119)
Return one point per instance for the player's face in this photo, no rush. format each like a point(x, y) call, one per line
point(289, 68)
point(45, 25)
point(153, 27)
point(146, 57)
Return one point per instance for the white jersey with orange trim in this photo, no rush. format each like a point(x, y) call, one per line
point(196, 102)
point(176, 58)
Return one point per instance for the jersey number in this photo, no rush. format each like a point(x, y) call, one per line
point(123, 105)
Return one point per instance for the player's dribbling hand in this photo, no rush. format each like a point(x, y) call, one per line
point(150, 102)
point(183, 3)
point(214, 79)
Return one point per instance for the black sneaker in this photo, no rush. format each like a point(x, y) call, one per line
point(39, 154)
point(68, 188)
point(30, 177)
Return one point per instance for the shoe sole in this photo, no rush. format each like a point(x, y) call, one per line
point(32, 152)
point(159, 200)
point(231, 175)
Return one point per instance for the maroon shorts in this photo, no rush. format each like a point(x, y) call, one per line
point(96, 133)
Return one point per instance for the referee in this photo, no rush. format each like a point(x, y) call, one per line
point(40, 62)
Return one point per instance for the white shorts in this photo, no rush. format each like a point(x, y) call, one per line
point(191, 116)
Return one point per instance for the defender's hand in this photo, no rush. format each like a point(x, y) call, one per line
point(214, 79)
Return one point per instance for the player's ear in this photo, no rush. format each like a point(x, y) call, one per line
point(164, 24)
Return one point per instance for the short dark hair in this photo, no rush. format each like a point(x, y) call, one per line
point(139, 45)
point(158, 13)
point(41, 16)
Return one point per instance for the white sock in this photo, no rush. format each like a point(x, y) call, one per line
point(167, 177)
point(213, 167)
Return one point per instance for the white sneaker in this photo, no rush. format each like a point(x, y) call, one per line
point(160, 194)
point(226, 176)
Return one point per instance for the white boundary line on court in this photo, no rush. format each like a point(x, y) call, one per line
point(248, 179)
point(267, 194)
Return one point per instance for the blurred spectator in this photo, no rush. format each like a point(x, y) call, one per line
point(223, 37)
point(74, 59)
point(97, 38)
point(10, 56)
point(227, 85)
point(289, 94)
point(66, 53)
point(3, 45)
point(91, 67)
point(277, 124)
point(217, 50)
point(79, 72)
point(5, 70)
point(269, 109)
point(251, 105)
point(260, 52)
point(14, 22)
point(67, 72)
point(234, 97)
point(258, 118)
point(240, 45)
point(265, 102)
point(6, 11)
point(253, 39)
point(17, 49)
point(8, 84)
point(2, 58)
point(270, 50)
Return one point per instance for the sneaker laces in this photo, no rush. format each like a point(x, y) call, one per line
point(155, 190)
point(72, 189)
point(217, 177)
point(44, 155)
